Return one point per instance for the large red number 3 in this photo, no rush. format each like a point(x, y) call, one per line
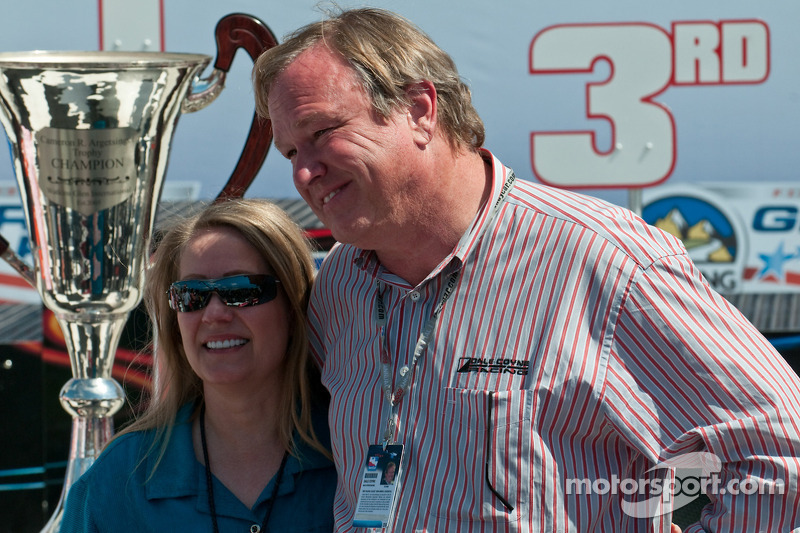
point(642, 149)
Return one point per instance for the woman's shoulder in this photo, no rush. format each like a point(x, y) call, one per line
point(122, 455)
point(96, 495)
point(142, 449)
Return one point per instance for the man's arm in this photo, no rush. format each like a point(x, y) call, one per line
point(698, 377)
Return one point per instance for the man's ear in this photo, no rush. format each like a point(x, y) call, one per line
point(422, 111)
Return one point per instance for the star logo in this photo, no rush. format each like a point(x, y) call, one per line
point(774, 262)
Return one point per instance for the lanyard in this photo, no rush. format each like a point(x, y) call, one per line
point(394, 395)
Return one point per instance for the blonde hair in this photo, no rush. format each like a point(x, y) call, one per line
point(288, 253)
point(388, 54)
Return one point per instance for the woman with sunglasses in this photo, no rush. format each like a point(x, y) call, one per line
point(235, 436)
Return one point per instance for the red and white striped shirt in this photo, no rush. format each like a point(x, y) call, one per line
point(579, 344)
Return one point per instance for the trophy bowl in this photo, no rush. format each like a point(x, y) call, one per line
point(90, 134)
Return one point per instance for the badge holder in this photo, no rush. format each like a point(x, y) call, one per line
point(380, 484)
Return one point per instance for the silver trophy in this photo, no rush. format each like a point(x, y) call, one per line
point(90, 134)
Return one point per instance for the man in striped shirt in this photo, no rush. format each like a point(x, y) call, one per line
point(542, 356)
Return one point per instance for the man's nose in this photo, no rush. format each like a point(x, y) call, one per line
point(306, 168)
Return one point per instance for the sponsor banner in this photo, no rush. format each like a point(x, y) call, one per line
point(745, 238)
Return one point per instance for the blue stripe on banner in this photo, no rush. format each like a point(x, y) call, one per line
point(31, 471)
point(22, 471)
point(22, 486)
point(781, 343)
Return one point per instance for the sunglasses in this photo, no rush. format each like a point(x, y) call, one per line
point(236, 291)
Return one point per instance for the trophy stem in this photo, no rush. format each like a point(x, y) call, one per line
point(92, 396)
point(89, 436)
point(92, 340)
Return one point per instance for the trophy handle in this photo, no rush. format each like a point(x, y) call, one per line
point(236, 31)
point(16, 262)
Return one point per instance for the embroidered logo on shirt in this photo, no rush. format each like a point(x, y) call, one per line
point(492, 366)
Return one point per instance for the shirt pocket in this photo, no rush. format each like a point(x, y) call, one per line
point(487, 440)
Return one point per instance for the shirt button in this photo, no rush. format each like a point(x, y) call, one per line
point(255, 528)
point(414, 295)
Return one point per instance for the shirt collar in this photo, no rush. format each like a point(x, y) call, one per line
point(180, 474)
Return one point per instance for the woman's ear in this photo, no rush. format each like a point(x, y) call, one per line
point(422, 111)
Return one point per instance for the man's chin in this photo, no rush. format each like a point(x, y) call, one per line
point(353, 235)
